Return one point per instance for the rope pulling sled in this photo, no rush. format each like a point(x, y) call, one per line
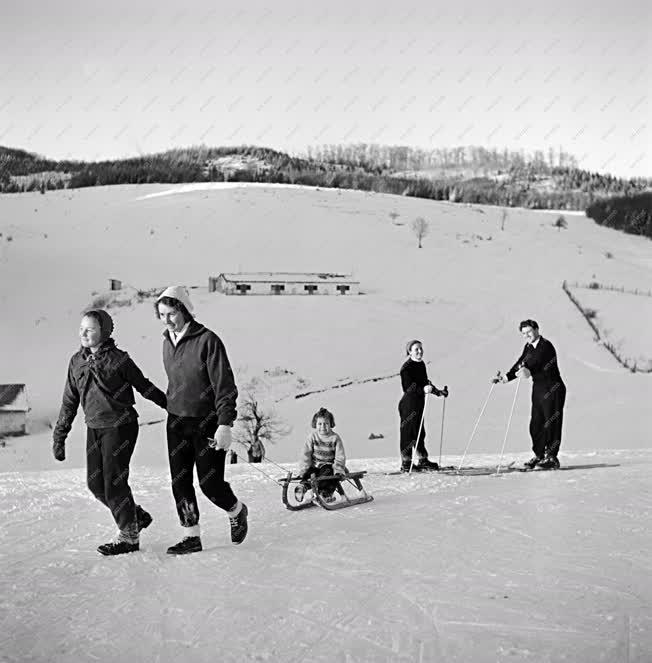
point(352, 478)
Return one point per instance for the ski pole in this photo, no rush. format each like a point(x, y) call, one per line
point(414, 448)
point(509, 421)
point(476, 426)
point(441, 437)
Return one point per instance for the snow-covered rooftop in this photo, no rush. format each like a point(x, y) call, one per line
point(288, 277)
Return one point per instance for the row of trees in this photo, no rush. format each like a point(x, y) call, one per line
point(372, 156)
point(363, 167)
point(632, 214)
point(20, 162)
point(475, 191)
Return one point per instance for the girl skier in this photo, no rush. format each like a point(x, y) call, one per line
point(416, 386)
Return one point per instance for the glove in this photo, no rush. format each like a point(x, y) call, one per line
point(222, 438)
point(444, 391)
point(524, 372)
point(499, 378)
point(59, 450)
point(428, 389)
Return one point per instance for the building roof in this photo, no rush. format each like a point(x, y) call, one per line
point(13, 398)
point(288, 277)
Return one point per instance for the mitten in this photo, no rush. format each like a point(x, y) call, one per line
point(59, 449)
point(222, 438)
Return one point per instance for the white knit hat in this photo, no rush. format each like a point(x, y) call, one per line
point(180, 293)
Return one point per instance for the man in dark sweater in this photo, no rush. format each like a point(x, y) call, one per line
point(539, 361)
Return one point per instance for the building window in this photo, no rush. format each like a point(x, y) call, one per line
point(310, 289)
point(243, 288)
point(277, 289)
point(343, 289)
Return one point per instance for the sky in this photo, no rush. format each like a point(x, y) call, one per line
point(91, 80)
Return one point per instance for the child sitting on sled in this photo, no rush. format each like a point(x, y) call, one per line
point(323, 455)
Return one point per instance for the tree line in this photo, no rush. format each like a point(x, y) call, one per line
point(631, 214)
point(396, 158)
point(363, 167)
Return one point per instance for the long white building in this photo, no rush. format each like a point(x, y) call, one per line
point(283, 283)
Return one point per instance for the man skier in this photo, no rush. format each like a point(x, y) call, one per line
point(539, 361)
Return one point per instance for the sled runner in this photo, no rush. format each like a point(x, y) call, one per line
point(342, 501)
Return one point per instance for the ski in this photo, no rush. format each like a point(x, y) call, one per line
point(415, 471)
point(479, 470)
point(469, 470)
point(566, 468)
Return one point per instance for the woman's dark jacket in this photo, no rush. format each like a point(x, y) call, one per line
point(103, 383)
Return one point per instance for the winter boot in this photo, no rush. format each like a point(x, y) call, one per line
point(143, 518)
point(549, 463)
point(239, 525)
point(533, 462)
point(189, 544)
point(299, 492)
point(428, 465)
point(118, 547)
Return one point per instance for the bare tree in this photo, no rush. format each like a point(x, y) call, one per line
point(420, 228)
point(560, 223)
point(257, 425)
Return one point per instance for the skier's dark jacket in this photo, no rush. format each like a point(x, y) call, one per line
point(541, 362)
point(102, 383)
point(413, 379)
point(200, 379)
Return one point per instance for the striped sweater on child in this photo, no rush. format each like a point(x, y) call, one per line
point(323, 450)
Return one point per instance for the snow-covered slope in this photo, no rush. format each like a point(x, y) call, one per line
point(526, 567)
point(544, 567)
point(463, 294)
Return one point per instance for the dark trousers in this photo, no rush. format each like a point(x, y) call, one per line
point(411, 411)
point(325, 487)
point(546, 418)
point(108, 452)
point(188, 439)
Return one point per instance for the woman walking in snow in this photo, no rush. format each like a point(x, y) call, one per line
point(101, 377)
point(201, 410)
point(416, 386)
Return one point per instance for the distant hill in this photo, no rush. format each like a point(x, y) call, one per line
point(466, 174)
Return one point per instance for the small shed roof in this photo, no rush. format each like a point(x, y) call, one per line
point(13, 398)
point(287, 277)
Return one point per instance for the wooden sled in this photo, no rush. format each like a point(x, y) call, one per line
point(354, 478)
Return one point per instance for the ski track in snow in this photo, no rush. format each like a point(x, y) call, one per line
point(543, 566)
